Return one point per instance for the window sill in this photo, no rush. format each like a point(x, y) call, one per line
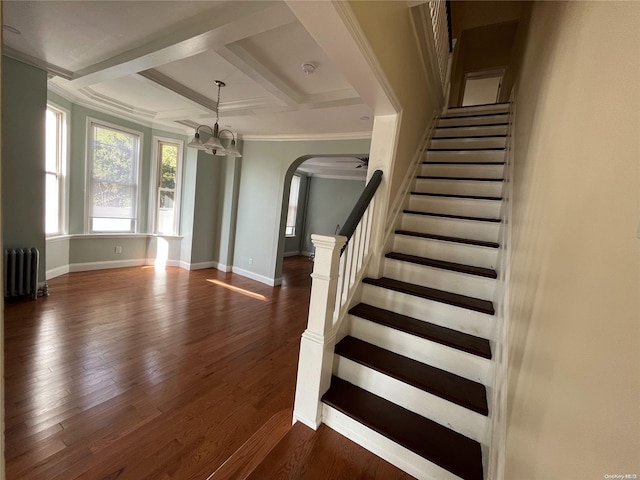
point(57, 238)
point(83, 236)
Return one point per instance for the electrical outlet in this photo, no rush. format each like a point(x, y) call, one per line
point(118, 250)
point(251, 261)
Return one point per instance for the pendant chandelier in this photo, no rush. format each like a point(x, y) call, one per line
point(211, 141)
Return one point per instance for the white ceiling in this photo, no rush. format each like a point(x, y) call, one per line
point(345, 168)
point(156, 62)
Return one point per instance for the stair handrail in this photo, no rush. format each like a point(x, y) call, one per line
point(360, 208)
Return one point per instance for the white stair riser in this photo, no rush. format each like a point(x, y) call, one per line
point(423, 350)
point(448, 251)
point(477, 109)
point(451, 227)
point(470, 131)
point(380, 445)
point(456, 318)
point(444, 412)
point(465, 207)
point(466, 156)
point(459, 187)
point(471, 120)
point(440, 279)
point(466, 143)
point(462, 171)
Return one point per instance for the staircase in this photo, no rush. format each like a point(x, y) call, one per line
point(410, 379)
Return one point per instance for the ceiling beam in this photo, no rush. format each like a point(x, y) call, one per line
point(174, 86)
point(240, 58)
point(235, 21)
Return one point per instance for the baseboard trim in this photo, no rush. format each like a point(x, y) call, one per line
point(56, 272)
point(87, 266)
point(257, 277)
point(224, 268)
point(306, 254)
point(203, 265)
point(291, 254)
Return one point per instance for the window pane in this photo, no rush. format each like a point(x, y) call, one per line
point(52, 140)
point(292, 212)
point(166, 214)
point(113, 200)
point(111, 225)
point(166, 199)
point(169, 163)
point(114, 156)
point(52, 223)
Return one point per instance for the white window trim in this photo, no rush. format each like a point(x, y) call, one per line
point(89, 160)
point(63, 185)
point(155, 179)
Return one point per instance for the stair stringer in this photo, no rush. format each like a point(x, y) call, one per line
point(494, 456)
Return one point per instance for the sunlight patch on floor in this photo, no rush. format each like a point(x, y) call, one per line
point(239, 290)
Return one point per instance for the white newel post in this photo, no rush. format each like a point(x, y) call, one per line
point(318, 340)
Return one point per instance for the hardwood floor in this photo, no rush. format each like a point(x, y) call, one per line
point(138, 374)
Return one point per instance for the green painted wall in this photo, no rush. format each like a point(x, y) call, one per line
point(330, 203)
point(205, 216)
point(24, 101)
point(267, 167)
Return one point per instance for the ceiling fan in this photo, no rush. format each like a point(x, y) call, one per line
point(362, 161)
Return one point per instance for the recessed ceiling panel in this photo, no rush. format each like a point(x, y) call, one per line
point(283, 50)
point(199, 72)
point(74, 35)
point(141, 94)
point(335, 120)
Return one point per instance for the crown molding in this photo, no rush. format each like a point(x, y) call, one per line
point(362, 179)
point(117, 104)
point(308, 137)
point(116, 113)
point(51, 69)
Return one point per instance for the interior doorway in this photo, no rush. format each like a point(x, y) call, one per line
point(481, 88)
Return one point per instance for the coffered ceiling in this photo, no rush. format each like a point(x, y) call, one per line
point(156, 62)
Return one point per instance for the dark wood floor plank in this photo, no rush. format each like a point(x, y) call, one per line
point(142, 374)
point(322, 455)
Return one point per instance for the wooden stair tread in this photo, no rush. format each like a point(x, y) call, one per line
point(451, 195)
point(442, 335)
point(480, 149)
point(448, 215)
point(431, 177)
point(432, 441)
point(500, 124)
point(462, 163)
point(474, 115)
point(467, 241)
point(480, 105)
point(432, 262)
point(451, 387)
point(455, 299)
point(469, 137)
